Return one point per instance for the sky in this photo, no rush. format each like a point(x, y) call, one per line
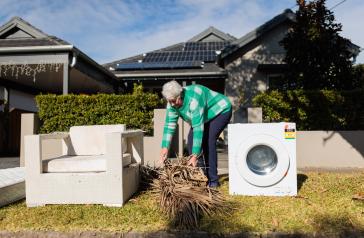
point(108, 30)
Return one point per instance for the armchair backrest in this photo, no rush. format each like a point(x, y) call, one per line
point(89, 140)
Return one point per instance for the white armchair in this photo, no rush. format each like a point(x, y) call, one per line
point(99, 165)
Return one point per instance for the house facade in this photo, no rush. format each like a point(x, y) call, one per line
point(254, 62)
point(33, 62)
point(240, 67)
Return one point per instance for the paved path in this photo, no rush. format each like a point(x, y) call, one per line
point(9, 162)
point(222, 162)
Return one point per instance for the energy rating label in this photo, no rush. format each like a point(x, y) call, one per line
point(289, 133)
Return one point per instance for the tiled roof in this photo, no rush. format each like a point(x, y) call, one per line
point(209, 68)
point(133, 59)
point(287, 15)
point(212, 30)
point(31, 42)
point(33, 36)
point(19, 20)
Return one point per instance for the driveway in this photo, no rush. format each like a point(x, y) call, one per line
point(9, 162)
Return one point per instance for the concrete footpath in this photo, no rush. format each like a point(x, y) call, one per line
point(171, 234)
point(222, 162)
point(9, 162)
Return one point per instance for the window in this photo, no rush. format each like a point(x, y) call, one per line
point(275, 81)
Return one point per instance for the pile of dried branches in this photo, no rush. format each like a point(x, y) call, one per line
point(182, 193)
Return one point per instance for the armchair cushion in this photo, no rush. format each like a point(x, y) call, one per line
point(90, 140)
point(79, 164)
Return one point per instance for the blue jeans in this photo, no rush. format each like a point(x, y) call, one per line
point(212, 130)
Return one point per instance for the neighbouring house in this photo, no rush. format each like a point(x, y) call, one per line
point(238, 67)
point(33, 62)
point(241, 68)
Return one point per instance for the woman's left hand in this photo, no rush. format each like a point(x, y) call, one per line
point(192, 161)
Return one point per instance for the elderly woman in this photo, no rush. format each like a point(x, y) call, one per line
point(208, 113)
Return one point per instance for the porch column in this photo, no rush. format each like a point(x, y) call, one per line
point(66, 76)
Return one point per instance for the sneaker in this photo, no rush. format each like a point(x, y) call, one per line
point(213, 184)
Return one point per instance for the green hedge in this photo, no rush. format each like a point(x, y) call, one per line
point(314, 110)
point(59, 113)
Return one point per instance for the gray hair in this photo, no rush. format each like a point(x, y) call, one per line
point(171, 90)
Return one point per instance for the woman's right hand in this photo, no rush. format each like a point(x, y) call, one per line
point(164, 155)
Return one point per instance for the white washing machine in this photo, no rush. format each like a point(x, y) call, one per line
point(262, 159)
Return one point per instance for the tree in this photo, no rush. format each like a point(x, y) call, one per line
point(359, 76)
point(316, 55)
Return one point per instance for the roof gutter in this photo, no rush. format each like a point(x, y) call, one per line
point(74, 59)
point(169, 74)
point(36, 48)
point(94, 63)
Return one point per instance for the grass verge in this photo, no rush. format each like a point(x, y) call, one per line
point(324, 204)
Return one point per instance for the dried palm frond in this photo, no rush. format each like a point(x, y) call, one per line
point(148, 175)
point(182, 192)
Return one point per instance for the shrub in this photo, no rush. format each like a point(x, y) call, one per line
point(60, 112)
point(314, 110)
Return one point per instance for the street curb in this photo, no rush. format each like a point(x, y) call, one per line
point(165, 234)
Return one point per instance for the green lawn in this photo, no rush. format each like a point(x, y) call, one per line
point(324, 204)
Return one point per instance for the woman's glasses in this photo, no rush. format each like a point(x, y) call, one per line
point(174, 101)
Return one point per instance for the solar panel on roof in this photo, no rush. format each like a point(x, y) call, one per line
point(192, 51)
point(156, 57)
point(180, 56)
point(219, 45)
point(128, 66)
point(207, 56)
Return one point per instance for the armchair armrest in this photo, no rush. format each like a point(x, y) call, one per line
point(54, 135)
point(118, 143)
point(135, 144)
point(132, 133)
point(33, 154)
point(33, 150)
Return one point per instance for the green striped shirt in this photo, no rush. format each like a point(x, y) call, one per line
point(200, 105)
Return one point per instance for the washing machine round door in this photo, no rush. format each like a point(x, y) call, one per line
point(262, 160)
